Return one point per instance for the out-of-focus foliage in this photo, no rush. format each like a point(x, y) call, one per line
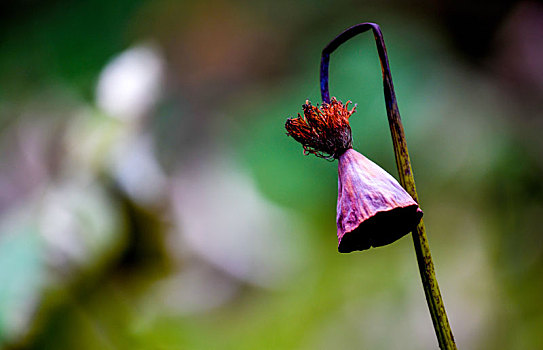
point(149, 197)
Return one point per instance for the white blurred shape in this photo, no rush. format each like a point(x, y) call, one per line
point(138, 172)
point(130, 84)
point(224, 219)
point(198, 288)
point(79, 225)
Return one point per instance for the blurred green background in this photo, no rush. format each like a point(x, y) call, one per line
point(150, 199)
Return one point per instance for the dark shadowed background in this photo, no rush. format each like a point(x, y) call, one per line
point(150, 199)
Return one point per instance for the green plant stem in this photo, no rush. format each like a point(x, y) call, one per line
point(420, 240)
point(422, 249)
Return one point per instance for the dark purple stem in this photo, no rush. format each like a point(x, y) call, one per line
point(381, 49)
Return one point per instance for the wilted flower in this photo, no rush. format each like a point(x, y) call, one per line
point(372, 208)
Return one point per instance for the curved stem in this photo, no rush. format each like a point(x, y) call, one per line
point(422, 249)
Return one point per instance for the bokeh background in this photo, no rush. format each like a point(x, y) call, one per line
point(150, 199)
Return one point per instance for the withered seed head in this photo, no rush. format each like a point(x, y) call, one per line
point(323, 131)
point(372, 207)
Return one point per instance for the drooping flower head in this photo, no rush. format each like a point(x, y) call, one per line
point(372, 208)
point(323, 131)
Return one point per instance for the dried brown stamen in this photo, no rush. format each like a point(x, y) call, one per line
point(323, 131)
